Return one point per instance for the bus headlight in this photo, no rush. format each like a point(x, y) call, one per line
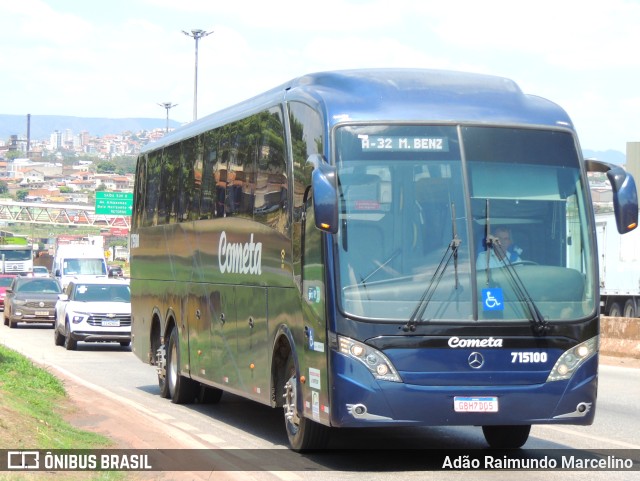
point(376, 362)
point(572, 359)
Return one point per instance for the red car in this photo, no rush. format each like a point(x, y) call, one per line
point(5, 281)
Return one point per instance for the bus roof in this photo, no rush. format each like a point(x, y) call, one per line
point(395, 95)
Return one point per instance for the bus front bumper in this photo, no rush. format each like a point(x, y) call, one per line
point(359, 400)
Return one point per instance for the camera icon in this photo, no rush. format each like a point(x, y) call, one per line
point(20, 460)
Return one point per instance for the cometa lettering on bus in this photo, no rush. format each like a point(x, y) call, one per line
point(489, 342)
point(239, 258)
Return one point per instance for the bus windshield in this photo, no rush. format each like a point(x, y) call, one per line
point(465, 223)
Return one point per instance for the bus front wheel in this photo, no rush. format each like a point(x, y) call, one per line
point(506, 437)
point(303, 434)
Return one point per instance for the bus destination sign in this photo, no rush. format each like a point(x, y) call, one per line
point(371, 143)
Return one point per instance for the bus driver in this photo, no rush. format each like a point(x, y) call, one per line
point(499, 255)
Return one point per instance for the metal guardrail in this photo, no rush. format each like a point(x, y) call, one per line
point(58, 214)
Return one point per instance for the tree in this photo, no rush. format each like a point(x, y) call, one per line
point(125, 164)
point(21, 194)
point(13, 154)
point(4, 188)
point(105, 167)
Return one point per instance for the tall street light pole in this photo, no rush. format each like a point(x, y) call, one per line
point(167, 105)
point(197, 34)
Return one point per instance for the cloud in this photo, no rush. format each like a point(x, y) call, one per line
point(80, 58)
point(570, 33)
point(295, 15)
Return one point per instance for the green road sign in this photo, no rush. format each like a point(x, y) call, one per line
point(114, 203)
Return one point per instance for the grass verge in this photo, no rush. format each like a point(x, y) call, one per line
point(33, 406)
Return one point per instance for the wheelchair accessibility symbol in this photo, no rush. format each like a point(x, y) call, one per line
point(492, 299)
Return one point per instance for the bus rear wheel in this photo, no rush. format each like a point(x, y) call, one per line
point(303, 434)
point(181, 389)
point(506, 437)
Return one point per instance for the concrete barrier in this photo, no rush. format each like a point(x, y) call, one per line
point(620, 337)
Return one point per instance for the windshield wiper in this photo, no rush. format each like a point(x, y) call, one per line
point(539, 324)
point(452, 251)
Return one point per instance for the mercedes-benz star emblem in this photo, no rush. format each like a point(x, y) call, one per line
point(476, 360)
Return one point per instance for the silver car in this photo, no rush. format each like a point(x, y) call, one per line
point(41, 271)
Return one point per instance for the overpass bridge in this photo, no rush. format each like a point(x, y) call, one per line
point(58, 214)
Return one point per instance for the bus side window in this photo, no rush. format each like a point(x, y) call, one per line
point(220, 176)
point(189, 194)
point(154, 165)
point(271, 191)
point(207, 189)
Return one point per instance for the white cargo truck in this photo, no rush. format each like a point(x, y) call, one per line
point(79, 261)
point(619, 258)
point(16, 256)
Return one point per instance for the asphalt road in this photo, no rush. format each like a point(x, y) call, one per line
point(113, 373)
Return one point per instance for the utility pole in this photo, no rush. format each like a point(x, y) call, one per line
point(196, 34)
point(167, 105)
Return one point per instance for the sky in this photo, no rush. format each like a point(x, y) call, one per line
point(121, 58)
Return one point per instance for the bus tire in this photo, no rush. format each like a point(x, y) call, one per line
point(615, 310)
point(303, 433)
point(506, 437)
point(160, 362)
point(181, 389)
point(630, 308)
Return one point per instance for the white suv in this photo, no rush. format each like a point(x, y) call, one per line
point(93, 310)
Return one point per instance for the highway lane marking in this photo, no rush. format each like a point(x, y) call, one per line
point(600, 439)
point(286, 475)
point(160, 415)
point(210, 438)
point(187, 438)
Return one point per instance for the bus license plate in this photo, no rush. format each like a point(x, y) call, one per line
point(110, 323)
point(486, 404)
point(42, 313)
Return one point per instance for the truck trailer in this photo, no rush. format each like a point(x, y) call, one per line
point(619, 268)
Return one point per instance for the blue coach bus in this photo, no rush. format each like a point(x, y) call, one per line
point(374, 248)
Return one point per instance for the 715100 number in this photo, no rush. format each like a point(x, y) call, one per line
point(528, 357)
